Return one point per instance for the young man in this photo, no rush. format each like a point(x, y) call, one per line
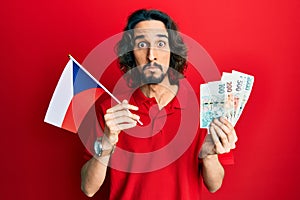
point(167, 157)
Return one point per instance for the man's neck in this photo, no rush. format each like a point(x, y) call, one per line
point(163, 92)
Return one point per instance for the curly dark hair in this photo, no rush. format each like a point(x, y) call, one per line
point(124, 48)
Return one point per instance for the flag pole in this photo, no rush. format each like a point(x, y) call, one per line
point(102, 86)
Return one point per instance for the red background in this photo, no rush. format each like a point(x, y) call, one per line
point(259, 37)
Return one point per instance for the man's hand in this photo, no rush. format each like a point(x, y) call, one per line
point(222, 138)
point(118, 118)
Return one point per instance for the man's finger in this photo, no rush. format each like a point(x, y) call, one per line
point(222, 125)
point(122, 106)
point(121, 113)
point(226, 123)
point(229, 130)
point(218, 146)
point(119, 127)
point(222, 137)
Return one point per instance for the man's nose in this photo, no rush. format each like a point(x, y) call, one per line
point(151, 54)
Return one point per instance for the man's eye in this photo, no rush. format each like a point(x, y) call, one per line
point(142, 44)
point(161, 44)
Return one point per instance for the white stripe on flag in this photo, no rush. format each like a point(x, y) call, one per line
point(61, 98)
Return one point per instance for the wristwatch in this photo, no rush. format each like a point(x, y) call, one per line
point(98, 148)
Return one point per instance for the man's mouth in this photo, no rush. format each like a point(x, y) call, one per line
point(152, 66)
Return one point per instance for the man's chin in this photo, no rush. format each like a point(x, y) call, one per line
point(152, 79)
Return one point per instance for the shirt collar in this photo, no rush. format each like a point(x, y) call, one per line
point(179, 101)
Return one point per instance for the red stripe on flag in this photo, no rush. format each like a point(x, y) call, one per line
point(78, 108)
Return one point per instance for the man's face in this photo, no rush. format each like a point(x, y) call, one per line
point(151, 50)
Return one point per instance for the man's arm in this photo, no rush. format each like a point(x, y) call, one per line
point(212, 173)
point(117, 118)
point(222, 139)
point(93, 174)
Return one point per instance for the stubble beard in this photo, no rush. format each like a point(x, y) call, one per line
point(151, 79)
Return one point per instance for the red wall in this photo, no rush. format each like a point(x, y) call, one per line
point(259, 37)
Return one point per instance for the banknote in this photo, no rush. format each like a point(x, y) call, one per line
point(229, 99)
point(212, 100)
point(217, 92)
point(226, 97)
point(238, 84)
point(206, 115)
point(248, 81)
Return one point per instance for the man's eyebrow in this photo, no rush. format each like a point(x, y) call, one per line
point(143, 36)
point(162, 35)
point(138, 37)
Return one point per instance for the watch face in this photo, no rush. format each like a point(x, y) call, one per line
point(98, 147)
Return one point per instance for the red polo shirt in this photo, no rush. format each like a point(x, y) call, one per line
point(159, 159)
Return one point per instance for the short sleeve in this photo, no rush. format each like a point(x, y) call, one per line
point(226, 158)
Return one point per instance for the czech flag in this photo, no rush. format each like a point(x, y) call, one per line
point(76, 92)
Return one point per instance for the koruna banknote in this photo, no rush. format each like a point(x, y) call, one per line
point(226, 97)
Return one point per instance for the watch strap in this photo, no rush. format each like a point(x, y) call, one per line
point(100, 151)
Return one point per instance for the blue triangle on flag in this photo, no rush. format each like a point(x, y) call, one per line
point(82, 81)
